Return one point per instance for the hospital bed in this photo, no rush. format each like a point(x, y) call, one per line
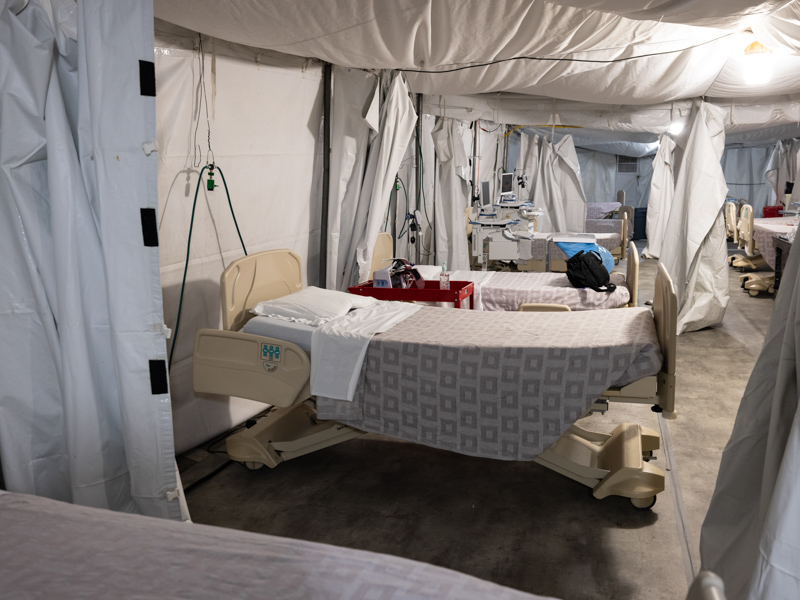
point(509, 290)
point(732, 221)
point(480, 383)
point(51, 549)
point(752, 259)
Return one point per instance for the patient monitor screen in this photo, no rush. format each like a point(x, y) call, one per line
point(486, 197)
point(506, 183)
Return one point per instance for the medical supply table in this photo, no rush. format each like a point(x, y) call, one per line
point(459, 291)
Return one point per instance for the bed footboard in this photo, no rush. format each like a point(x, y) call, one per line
point(250, 366)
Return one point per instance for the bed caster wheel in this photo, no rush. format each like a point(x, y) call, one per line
point(253, 466)
point(754, 293)
point(644, 503)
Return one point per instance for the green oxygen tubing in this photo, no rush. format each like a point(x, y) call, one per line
point(210, 184)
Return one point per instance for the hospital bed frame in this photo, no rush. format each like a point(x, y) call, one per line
point(619, 253)
point(232, 363)
point(732, 221)
point(752, 259)
point(383, 252)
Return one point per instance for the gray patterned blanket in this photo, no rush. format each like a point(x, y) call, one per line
point(495, 384)
point(506, 291)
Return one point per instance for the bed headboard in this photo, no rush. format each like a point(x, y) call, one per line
point(382, 253)
point(746, 232)
point(665, 310)
point(632, 274)
point(254, 278)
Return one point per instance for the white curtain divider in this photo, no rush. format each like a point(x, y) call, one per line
point(662, 194)
point(354, 93)
point(558, 189)
point(694, 248)
point(528, 164)
point(751, 533)
point(85, 414)
point(452, 194)
point(782, 166)
point(393, 123)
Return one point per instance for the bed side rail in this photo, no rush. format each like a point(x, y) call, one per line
point(250, 366)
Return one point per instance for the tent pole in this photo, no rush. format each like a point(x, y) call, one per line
point(327, 71)
point(417, 155)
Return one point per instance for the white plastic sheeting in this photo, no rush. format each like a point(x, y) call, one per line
point(662, 194)
point(694, 248)
point(265, 114)
point(452, 194)
point(81, 420)
point(558, 190)
point(745, 169)
point(751, 534)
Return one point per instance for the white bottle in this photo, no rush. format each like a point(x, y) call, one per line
point(444, 278)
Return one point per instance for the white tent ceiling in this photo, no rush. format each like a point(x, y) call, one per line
point(659, 51)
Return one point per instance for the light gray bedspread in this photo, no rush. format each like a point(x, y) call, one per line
point(500, 385)
point(50, 549)
point(506, 291)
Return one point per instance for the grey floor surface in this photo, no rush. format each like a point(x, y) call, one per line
point(513, 523)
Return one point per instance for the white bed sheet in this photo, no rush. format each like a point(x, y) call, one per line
point(51, 549)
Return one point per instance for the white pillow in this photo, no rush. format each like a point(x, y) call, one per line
point(312, 306)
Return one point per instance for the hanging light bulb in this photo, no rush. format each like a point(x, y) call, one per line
point(757, 64)
point(676, 127)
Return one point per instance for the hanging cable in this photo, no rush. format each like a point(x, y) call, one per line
point(573, 60)
point(210, 167)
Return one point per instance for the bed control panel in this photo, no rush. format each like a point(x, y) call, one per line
point(271, 352)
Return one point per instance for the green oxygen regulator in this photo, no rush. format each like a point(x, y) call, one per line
point(210, 181)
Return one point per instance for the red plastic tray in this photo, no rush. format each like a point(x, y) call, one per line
point(459, 290)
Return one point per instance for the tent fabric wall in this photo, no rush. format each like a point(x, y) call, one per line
point(83, 415)
point(527, 165)
point(598, 174)
point(745, 173)
point(265, 114)
point(662, 194)
point(694, 248)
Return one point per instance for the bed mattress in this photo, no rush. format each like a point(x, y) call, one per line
point(506, 291)
point(288, 331)
point(51, 549)
point(500, 385)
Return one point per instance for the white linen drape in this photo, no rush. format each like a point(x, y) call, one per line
point(694, 248)
point(558, 189)
point(751, 534)
point(85, 414)
point(391, 116)
point(452, 195)
point(662, 194)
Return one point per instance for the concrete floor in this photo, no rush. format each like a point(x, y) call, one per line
point(513, 523)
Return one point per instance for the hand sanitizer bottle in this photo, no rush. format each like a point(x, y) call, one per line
point(444, 278)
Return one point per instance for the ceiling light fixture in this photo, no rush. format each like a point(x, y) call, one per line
point(676, 127)
point(757, 64)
